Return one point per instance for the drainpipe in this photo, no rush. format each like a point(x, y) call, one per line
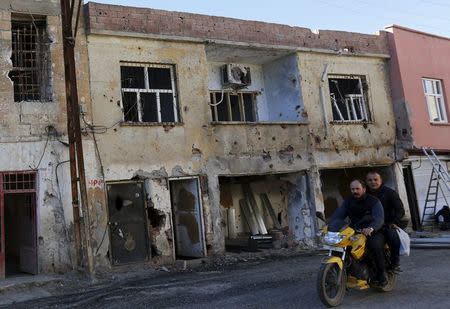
point(322, 97)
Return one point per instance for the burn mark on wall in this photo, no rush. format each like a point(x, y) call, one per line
point(157, 219)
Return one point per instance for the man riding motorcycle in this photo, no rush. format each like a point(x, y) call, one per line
point(394, 213)
point(366, 214)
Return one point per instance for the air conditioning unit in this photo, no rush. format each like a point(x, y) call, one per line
point(236, 75)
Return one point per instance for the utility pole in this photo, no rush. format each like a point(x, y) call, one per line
point(77, 174)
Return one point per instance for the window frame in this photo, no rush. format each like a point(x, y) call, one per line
point(438, 100)
point(147, 89)
point(227, 100)
point(353, 99)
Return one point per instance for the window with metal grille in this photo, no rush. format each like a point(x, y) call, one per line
point(349, 100)
point(233, 106)
point(432, 89)
point(19, 181)
point(30, 58)
point(149, 93)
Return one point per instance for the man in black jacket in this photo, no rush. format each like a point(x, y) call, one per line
point(393, 214)
point(366, 214)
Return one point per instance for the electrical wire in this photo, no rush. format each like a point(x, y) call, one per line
point(217, 103)
point(43, 152)
point(97, 152)
point(66, 231)
point(100, 129)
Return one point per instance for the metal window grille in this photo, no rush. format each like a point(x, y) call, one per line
point(19, 181)
point(149, 93)
point(233, 106)
point(30, 58)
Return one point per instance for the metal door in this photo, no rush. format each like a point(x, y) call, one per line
point(127, 222)
point(187, 213)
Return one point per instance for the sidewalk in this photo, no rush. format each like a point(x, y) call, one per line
point(25, 287)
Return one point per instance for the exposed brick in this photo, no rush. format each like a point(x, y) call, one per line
point(121, 18)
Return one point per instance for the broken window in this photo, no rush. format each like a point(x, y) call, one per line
point(435, 99)
point(348, 96)
point(148, 93)
point(233, 106)
point(30, 58)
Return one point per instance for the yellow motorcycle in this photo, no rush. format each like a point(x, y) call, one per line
point(348, 266)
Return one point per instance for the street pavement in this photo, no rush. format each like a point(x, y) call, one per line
point(283, 282)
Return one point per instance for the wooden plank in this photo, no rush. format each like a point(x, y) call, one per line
point(266, 203)
point(257, 211)
point(249, 216)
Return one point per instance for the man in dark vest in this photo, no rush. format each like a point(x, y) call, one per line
point(366, 214)
point(393, 214)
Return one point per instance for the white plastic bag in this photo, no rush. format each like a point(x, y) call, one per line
point(404, 241)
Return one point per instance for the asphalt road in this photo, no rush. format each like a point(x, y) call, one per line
point(276, 283)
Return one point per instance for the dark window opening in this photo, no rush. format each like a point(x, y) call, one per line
point(153, 87)
point(130, 108)
point(349, 98)
point(132, 77)
point(149, 107)
point(235, 106)
point(167, 112)
point(159, 78)
point(30, 59)
point(249, 106)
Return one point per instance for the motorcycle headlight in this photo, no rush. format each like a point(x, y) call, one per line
point(332, 238)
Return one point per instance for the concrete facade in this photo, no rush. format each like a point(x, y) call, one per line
point(293, 141)
point(417, 56)
point(160, 191)
point(32, 136)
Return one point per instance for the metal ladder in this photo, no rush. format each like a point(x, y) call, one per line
point(439, 176)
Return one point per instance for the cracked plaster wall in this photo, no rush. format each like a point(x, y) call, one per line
point(23, 136)
point(344, 145)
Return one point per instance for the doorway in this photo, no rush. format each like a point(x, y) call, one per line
point(187, 218)
point(412, 198)
point(18, 246)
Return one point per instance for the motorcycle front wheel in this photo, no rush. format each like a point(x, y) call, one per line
point(330, 287)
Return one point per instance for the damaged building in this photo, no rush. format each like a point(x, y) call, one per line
point(36, 225)
point(201, 134)
point(214, 131)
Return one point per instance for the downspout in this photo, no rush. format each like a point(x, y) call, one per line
point(322, 97)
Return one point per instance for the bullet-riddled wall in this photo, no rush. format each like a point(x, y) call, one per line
point(33, 132)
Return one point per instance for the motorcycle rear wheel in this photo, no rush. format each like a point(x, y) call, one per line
point(331, 290)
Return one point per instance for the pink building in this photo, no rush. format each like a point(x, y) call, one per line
point(420, 82)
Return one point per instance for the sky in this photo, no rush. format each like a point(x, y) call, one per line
point(365, 16)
